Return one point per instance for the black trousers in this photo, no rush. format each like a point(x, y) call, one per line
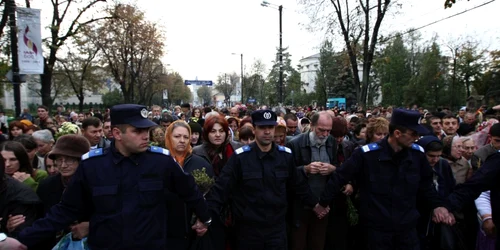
point(400, 240)
point(253, 237)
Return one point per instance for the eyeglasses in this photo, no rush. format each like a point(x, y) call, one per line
point(67, 161)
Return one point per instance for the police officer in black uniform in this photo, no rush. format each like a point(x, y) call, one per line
point(258, 177)
point(390, 174)
point(123, 189)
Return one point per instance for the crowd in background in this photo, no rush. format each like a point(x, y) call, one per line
point(40, 153)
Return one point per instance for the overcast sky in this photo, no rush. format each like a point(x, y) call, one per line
point(201, 35)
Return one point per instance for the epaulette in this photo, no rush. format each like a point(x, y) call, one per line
point(159, 150)
point(370, 147)
point(284, 149)
point(245, 148)
point(92, 153)
point(417, 147)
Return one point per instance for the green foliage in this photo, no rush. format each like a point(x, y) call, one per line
point(205, 94)
point(334, 77)
point(203, 181)
point(178, 92)
point(226, 85)
point(470, 65)
point(428, 87)
point(112, 98)
point(490, 82)
point(352, 212)
point(291, 78)
point(254, 83)
point(300, 98)
point(4, 68)
point(392, 68)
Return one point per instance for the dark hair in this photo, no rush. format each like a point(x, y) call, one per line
point(354, 119)
point(22, 156)
point(246, 133)
point(290, 116)
point(91, 121)
point(207, 110)
point(167, 118)
point(495, 130)
point(18, 124)
point(430, 118)
point(27, 141)
point(43, 107)
point(29, 144)
point(434, 147)
point(450, 117)
point(394, 127)
point(358, 128)
point(339, 127)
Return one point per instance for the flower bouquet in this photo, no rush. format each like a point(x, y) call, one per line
point(66, 129)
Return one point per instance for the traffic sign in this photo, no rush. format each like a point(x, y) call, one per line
point(196, 82)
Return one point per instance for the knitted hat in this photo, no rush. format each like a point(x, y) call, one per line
point(70, 145)
point(26, 122)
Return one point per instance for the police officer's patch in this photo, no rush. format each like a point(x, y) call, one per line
point(417, 147)
point(144, 113)
point(267, 115)
point(370, 147)
point(245, 148)
point(284, 149)
point(159, 150)
point(92, 153)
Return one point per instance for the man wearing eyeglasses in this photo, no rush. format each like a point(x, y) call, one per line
point(124, 191)
point(391, 174)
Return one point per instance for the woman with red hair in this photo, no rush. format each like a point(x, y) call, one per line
point(16, 128)
point(217, 146)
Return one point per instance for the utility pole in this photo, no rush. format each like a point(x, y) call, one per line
point(11, 4)
point(242, 81)
point(280, 91)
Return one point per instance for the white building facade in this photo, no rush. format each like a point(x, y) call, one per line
point(29, 94)
point(308, 68)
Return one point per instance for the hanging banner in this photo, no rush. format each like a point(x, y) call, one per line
point(29, 41)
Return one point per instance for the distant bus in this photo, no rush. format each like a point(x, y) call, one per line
point(336, 102)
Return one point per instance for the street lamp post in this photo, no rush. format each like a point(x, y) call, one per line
point(280, 83)
point(242, 79)
point(281, 58)
point(11, 5)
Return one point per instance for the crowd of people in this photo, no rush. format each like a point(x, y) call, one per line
point(295, 178)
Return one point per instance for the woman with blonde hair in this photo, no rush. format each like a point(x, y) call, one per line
point(178, 141)
point(377, 129)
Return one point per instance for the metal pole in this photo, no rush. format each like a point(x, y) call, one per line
point(242, 80)
point(15, 62)
point(281, 58)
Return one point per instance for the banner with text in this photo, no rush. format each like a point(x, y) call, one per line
point(29, 41)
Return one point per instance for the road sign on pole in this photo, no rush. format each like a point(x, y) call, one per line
point(196, 82)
